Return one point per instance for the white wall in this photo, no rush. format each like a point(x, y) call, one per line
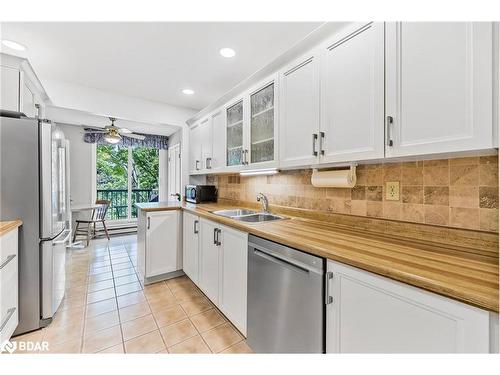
point(81, 165)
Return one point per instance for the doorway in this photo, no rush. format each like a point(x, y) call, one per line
point(174, 172)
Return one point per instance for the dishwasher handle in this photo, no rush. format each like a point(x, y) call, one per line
point(279, 260)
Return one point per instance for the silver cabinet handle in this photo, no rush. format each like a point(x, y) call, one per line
point(196, 165)
point(321, 141)
point(315, 138)
point(149, 222)
point(219, 231)
point(389, 125)
point(10, 312)
point(208, 163)
point(9, 258)
point(195, 226)
point(215, 236)
point(328, 297)
point(245, 157)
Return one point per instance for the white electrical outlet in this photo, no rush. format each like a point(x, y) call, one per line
point(392, 191)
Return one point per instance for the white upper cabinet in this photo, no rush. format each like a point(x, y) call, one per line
point(195, 149)
point(206, 142)
point(439, 87)
point(262, 125)
point(299, 111)
point(10, 98)
point(218, 159)
point(352, 95)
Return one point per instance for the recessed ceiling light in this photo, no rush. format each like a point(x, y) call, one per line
point(13, 45)
point(188, 92)
point(227, 52)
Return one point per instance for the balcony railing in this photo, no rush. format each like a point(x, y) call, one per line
point(118, 208)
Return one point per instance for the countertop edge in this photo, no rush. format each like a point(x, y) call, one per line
point(7, 226)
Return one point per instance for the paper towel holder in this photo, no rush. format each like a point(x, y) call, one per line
point(352, 169)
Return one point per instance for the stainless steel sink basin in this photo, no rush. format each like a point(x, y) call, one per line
point(248, 216)
point(233, 213)
point(258, 217)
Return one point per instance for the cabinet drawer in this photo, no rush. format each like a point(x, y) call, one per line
point(8, 245)
point(8, 297)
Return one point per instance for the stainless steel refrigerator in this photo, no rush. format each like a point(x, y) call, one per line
point(33, 188)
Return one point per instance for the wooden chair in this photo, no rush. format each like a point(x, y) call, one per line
point(98, 216)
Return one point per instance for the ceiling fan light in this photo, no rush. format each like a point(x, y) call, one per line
point(112, 138)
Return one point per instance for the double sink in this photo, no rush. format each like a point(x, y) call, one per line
point(248, 216)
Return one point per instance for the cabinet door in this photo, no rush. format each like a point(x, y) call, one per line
point(262, 124)
point(206, 142)
point(299, 112)
point(233, 277)
point(439, 87)
point(373, 314)
point(209, 260)
point(234, 126)
point(195, 148)
point(218, 160)
point(191, 245)
point(352, 96)
point(162, 243)
point(9, 89)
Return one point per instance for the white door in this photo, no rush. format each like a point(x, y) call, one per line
point(191, 229)
point(218, 161)
point(174, 172)
point(439, 87)
point(9, 89)
point(233, 277)
point(374, 314)
point(206, 142)
point(299, 112)
point(162, 243)
point(195, 148)
point(209, 260)
point(352, 95)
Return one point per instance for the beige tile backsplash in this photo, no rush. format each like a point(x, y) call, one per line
point(459, 192)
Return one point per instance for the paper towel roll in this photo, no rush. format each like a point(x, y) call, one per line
point(343, 178)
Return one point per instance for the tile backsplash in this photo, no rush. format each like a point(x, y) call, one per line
point(459, 192)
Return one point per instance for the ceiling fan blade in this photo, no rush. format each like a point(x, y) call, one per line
point(124, 131)
point(135, 136)
point(96, 131)
point(93, 128)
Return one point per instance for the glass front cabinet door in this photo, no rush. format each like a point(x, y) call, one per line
point(262, 124)
point(234, 145)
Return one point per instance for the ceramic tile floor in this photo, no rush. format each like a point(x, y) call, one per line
point(106, 310)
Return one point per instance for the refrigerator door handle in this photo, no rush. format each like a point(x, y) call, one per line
point(45, 147)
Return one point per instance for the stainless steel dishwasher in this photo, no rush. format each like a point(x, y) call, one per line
point(286, 310)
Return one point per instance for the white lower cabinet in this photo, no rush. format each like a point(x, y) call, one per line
point(9, 313)
point(222, 266)
point(373, 314)
point(191, 246)
point(233, 276)
point(159, 249)
point(209, 260)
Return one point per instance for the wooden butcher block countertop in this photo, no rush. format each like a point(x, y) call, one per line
point(7, 226)
point(464, 274)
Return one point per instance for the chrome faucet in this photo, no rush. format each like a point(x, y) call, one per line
point(265, 202)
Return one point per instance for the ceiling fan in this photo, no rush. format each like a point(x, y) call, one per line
point(113, 134)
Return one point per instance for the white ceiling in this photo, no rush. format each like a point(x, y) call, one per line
point(154, 61)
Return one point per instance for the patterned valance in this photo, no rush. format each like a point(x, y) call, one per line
point(151, 140)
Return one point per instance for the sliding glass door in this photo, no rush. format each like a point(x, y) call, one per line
point(125, 176)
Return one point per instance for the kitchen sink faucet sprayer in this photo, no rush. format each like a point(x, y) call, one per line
point(265, 202)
